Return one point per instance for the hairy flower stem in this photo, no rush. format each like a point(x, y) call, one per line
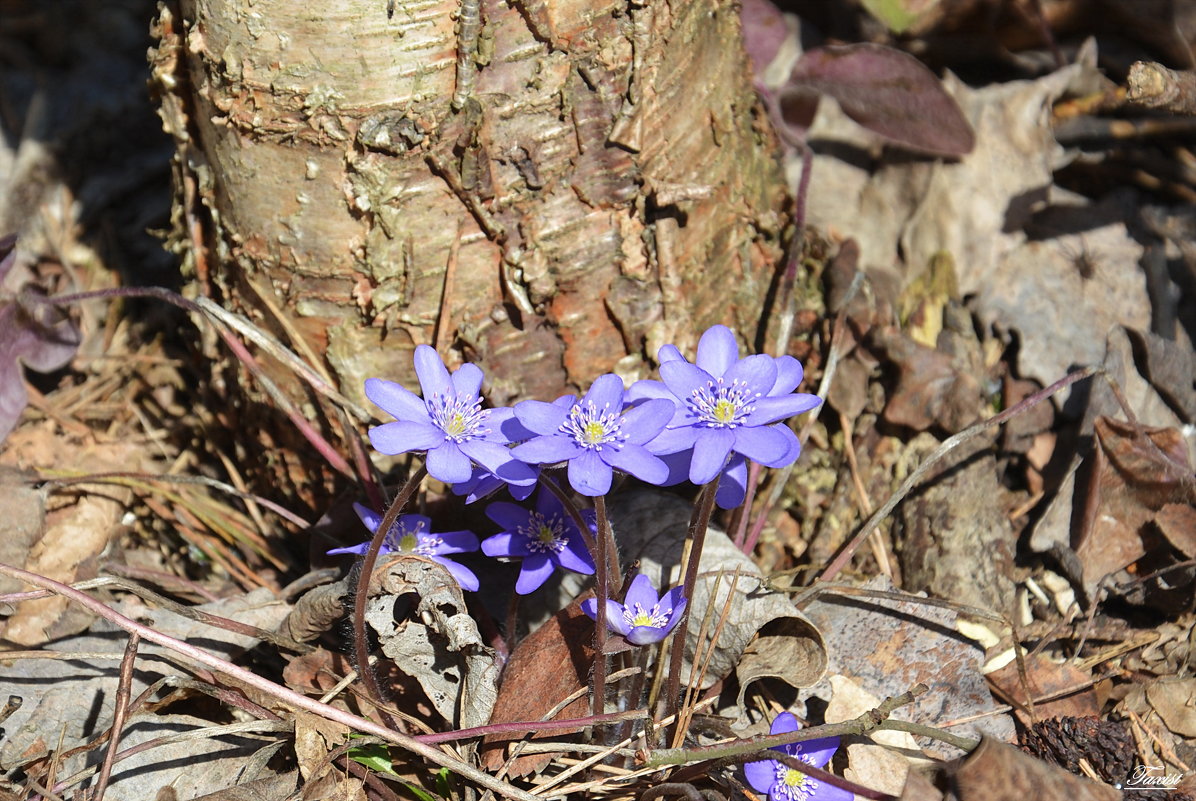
point(698, 524)
point(606, 563)
point(361, 649)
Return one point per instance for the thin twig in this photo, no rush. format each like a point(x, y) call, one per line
point(119, 713)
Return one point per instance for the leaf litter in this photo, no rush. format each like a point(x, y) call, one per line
point(988, 280)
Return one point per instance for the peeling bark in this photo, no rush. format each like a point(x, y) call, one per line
point(600, 170)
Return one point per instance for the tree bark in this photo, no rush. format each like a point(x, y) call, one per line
point(551, 189)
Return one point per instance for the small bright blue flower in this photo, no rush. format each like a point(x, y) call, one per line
point(448, 423)
point(545, 539)
point(726, 405)
point(783, 783)
point(412, 534)
point(643, 617)
point(595, 435)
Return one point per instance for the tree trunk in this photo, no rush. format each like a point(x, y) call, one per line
point(549, 188)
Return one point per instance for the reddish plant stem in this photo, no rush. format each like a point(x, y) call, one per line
point(522, 727)
point(602, 591)
point(698, 524)
point(361, 648)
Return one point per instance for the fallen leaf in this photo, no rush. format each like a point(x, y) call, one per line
point(888, 92)
point(546, 667)
point(999, 772)
point(1045, 677)
point(438, 644)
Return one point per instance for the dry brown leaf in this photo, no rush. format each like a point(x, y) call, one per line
point(439, 644)
point(1139, 473)
point(545, 668)
point(999, 772)
point(315, 737)
point(1045, 678)
point(1175, 701)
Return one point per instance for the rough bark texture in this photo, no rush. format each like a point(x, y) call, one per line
point(551, 188)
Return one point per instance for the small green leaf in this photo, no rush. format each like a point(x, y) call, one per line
point(374, 756)
point(899, 15)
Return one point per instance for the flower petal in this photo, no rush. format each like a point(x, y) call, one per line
point(405, 435)
point(575, 557)
point(510, 516)
point(763, 444)
point(816, 752)
point(368, 516)
point(759, 372)
point(547, 449)
point(614, 615)
point(717, 350)
point(646, 635)
point(606, 392)
point(770, 410)
point(448, 464)
point(641, 592)
point(784, 723)
point(683, 378)
point(637, 460)
point(396, 400)
point(357, 549)
point(467, 381)
point(535, 571)
point(789, 375)
point(505, 427)
point(589, 474)
point(433, 375)
point(647, 388)
point(464, 576)
point(760, 775)
point(457, 542)
point(540, 417)
point(711, 449)
point(668, 353)
point(499, 460)
point(732, 484)
point(672, 440)
point(506, 544)
point(647, 419)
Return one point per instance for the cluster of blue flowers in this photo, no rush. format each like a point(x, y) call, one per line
point(701, 422)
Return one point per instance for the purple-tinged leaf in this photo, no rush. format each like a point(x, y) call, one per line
point(764, 30)
point(888, 92)
point(36, 335)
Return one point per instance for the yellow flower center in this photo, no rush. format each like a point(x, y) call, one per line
point(794, 778)
point(408, 543)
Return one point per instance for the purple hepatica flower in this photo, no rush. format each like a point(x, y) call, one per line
point(449, 423)
point(545, 539)
point(412, 534)
point(726, 405)
point(595, 435)
point(642, 618)
point(783, 783)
